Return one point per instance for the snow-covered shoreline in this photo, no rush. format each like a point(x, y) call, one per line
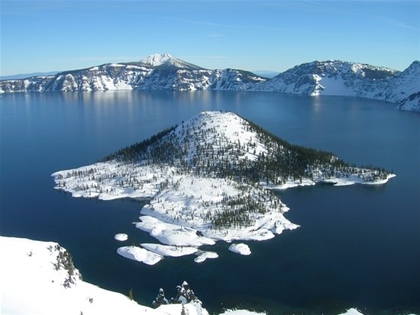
point(186, 235)
point(335, 181)
point(177, 228)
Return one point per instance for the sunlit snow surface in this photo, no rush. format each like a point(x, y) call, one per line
point(181, 205)
point(139, 254)
point(121, 237)
point(32, 283)
point(240, 248)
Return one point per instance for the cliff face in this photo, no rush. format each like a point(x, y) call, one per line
point(156, 72)
point(353, 79)
point(164, 72)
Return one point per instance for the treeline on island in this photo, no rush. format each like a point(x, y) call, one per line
point(206, 152)
point(132, 152)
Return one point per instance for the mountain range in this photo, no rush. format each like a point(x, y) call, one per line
point(165, 72)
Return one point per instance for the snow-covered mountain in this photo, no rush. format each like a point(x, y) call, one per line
point(164, 72)
point(331, 78)
point(340, 78)
point(157, 60)
point(404, 88)
point(155, 72)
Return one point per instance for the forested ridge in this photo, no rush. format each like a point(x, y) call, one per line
point(202, 149)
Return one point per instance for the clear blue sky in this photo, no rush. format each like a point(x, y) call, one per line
point(39, 36)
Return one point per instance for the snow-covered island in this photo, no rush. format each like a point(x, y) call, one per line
point(211, 178)
point(40, 278)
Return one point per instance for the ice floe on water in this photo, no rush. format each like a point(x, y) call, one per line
point(139, 254)
point(170, 251)
point(240, 248)
point(203, 255)
point(121, 237)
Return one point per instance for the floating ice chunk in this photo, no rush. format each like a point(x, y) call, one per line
point(203, 255)
point(167, 250)
point(121, 237)
point(240, 248)
point(139, 254)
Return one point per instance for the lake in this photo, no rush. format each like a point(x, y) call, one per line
point(357, 246)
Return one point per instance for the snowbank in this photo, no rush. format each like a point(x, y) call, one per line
point(33, 282)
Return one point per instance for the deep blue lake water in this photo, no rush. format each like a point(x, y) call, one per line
point(358, 246)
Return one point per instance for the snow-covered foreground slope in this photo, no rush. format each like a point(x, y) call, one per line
point(34, 281)
point(209, 179)
point(164, 72)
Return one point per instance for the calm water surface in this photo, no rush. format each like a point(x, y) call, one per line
point(358, 246)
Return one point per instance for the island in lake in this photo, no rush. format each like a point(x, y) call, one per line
point(211, 178)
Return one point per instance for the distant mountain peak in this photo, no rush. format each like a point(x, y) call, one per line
point(155, 60)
